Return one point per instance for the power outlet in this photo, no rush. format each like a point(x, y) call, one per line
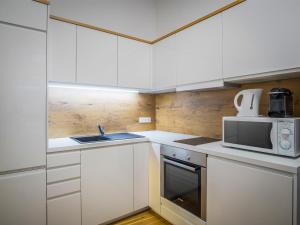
point(144, 119)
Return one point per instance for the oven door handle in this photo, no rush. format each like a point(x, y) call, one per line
point(190, 168)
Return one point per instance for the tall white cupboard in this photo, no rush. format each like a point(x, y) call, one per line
point(23, 88)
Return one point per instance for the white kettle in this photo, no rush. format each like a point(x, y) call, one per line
point(249, 105)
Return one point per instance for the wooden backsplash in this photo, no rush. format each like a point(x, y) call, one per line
point(201, 113)
point(77, 112)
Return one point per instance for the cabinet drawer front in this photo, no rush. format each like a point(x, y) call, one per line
point(63, 159)
point(60, 174)
point(65, 210)
point(54, 190)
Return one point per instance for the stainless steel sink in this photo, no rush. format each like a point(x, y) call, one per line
point(106, 137)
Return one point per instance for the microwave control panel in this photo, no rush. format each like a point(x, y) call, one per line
point(285, 137)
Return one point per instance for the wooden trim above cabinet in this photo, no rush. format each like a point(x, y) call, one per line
point(224, 8)
point(46, 2)
point(98, 29)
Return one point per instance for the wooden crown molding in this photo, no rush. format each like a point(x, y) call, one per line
point(98, 29)
point(46, 2)
point(226, 7)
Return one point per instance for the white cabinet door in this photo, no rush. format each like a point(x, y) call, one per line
point(61, 51)
point(134, 64)
point(200, 52)
point(23, 198)
point(141, 177)
point(106, 183)
point(64, 210)
point(241, 194)
point(23, 98)
point(96, 57)
point(165, 64)
point(261, 36)
point(24, 12)
point(154, 177)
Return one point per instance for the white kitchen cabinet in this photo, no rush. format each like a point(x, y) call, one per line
point(96, 57)
point(154, 177)
point(261, 36)
point(26, 13)
point(165, 64)
point(134, 64)
point(106, 183)
point(243, 194)
point(64, 210)
point(141, 177)
point(23, 198)
point(63, 173)
point(61, 51)
point(63, 159)
point(63, 188)
point(23, 98)
point(200, 52)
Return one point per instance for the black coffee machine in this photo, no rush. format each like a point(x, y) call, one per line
point(281, 103)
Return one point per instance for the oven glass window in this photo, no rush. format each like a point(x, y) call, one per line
point(255, 134)
point(182, 187)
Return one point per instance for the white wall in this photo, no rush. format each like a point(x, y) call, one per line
point(172, 14)
point(132, 17)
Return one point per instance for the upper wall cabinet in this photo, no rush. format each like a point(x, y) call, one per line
point(200, 52)
point(61, 51)
point(261, 36)
point(164, 63)
point(96, 57)
point(24, 12)
point(134, 64)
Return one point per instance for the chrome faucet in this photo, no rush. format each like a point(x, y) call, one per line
point(101, 130)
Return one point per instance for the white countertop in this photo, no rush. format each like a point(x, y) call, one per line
point(68, 144)
point(214, 149)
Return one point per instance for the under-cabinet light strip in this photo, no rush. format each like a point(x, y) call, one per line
point(91, 87)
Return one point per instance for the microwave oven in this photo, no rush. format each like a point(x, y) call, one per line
point(279, 136)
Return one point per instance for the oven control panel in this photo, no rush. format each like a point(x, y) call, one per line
point(193, 157)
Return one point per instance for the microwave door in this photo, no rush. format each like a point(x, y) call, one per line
point(251, 135)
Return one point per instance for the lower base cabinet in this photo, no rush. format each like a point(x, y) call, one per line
point(107, 183)
point(154, 177)
point(114, 182)
point(248, 195)
point(23, 198)
point(141, 177)
point(64, 210)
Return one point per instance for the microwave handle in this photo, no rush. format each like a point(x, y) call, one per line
point(272, 133)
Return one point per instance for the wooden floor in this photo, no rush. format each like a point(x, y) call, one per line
point(144, 218)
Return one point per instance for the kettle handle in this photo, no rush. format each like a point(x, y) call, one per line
point(237, 106)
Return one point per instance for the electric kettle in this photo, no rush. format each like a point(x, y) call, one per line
point(249, 105)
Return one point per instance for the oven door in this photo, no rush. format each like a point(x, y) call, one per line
point(185, 185)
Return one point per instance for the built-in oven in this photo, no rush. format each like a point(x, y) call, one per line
point(183, 179)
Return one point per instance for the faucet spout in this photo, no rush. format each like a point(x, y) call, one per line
point(101, 130)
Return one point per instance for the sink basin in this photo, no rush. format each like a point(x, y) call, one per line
point(106, 137)
point(122, 136)
point(88, 139)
